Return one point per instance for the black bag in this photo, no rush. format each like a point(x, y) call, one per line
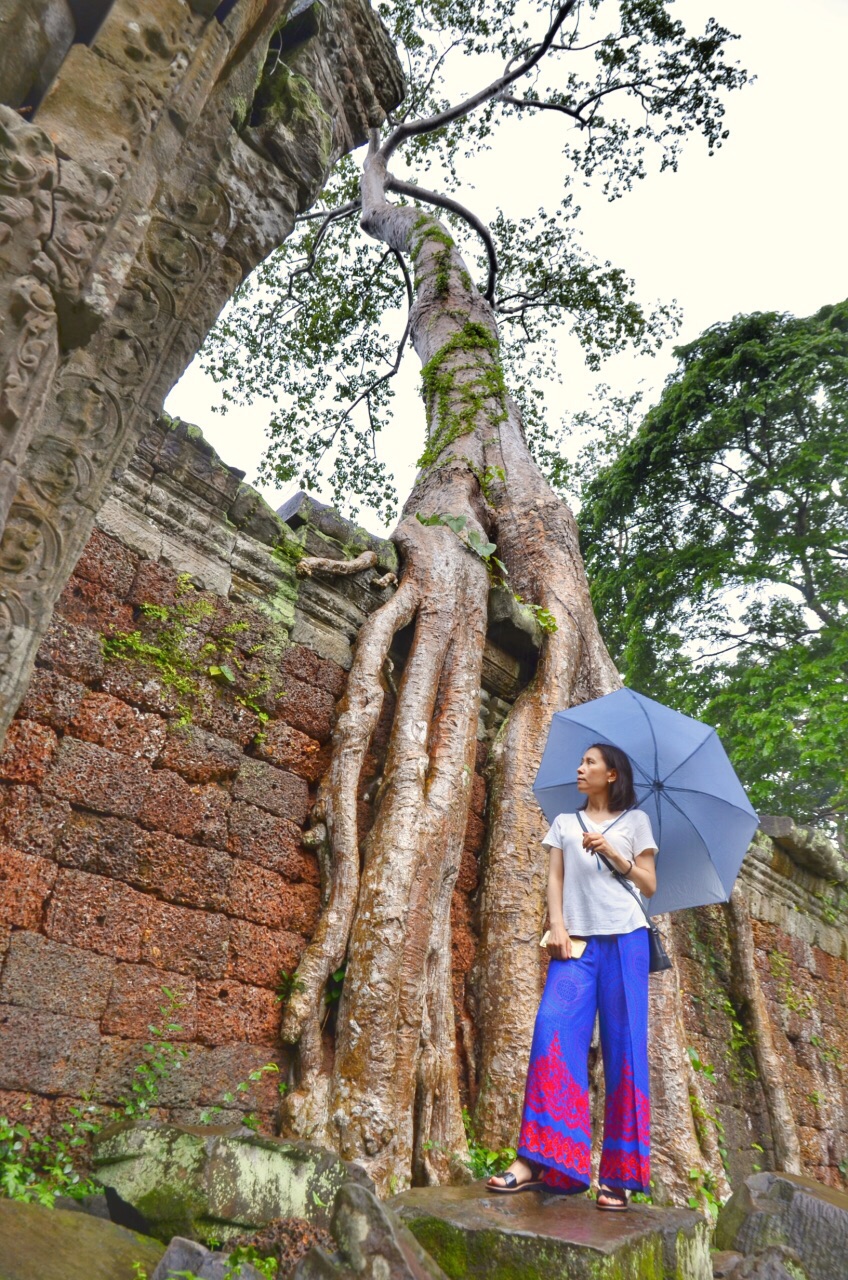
point(658, 956)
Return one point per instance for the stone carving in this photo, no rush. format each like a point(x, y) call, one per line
point(131, 209)
point(29, 347)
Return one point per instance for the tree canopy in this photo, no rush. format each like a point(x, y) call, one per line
point(716, 541)
point(320, 328)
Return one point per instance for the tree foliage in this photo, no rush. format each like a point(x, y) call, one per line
point(320, 330)
point(716, 541)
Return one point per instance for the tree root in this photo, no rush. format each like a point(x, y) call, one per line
point(752, 1006)
point(337, 568)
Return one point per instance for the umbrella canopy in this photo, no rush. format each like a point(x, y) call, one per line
point(702, 820)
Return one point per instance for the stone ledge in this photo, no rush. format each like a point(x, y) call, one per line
point(474, 1234)
point(807, 848)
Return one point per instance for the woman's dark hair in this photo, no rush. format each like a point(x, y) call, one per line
point(621, 793)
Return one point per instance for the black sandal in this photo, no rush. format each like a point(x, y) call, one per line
point(617, 1195)
point(512, 1186)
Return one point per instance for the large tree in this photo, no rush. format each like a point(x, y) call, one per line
point(623, 78)
point(716, 539)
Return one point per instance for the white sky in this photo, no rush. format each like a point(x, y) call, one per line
point(759, 226)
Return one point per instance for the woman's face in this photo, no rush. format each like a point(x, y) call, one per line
point(594, 774)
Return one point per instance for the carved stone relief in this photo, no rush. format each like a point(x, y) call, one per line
point(130, 209)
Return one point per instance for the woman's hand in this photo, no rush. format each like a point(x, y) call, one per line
point(595, 842)
point(559, 943)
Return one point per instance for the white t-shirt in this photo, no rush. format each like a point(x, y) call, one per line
point(593, 901)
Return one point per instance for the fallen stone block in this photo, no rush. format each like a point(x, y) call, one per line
point(215, 1182)
point(187, 1255)
point(476, 1235)
point(53, 1244)
point(788, 1209)
point(372, 1245)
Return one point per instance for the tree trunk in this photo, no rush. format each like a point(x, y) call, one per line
point(385, 1093)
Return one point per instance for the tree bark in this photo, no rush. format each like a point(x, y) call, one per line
point(752, 1007)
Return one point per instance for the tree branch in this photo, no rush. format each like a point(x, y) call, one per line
point(431, 123)
point(453, 206)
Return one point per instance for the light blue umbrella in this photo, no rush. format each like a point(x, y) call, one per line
point(702, 819)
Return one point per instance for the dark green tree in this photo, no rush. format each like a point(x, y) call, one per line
point(389, 263)
point(716, 541)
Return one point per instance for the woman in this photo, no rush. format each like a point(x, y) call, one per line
point(610, 978)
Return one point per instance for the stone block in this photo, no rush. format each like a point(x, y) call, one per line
point(271, 842)
point(263, 897)
point(25, 885)
point(47, 1052)
point(135, 1001)
point(51, 699)
point(475, 834)
point(372, 1244)
point(140, 685)
point(103, 846)
point(257, 954)
point(290, 749)
point(27, 752)
point(196, 813)
point(186, 941)
point(199, 1182)
point(481, 1236)
point(154, 583)
point(186, 874)
point(119, 727)
point(108, 564)
point(41, 974)
point(95, 778)
point(199, 756)
point(791, 1210)
point(222, 716)
point(31, 821)
point(72, 651)
point(97, 914)
point(468, 877)
point(301, 663)
point(55, 1244)
point(478, 795)
point(229, 1011)
point(88, 605)
point(308, 708)
point(273, 789)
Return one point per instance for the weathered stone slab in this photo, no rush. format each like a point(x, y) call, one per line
point(475, 1235)
point(208, 1182)
point(791, 1210)
point(52, 1244)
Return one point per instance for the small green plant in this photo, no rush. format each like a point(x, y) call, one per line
point(231, 1096)
point(335, 986)
point(482, 1161)
point(705, 1192)
point(704, 1068)
point(37, 1170)
point(161, 1058)
point(248, 1254)
point(496, 568)
point(287, 985)
point(173, 653)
